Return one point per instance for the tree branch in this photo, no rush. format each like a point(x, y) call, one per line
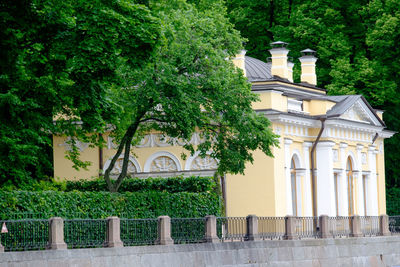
point(154, 119)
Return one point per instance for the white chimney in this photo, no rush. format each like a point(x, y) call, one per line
point(308, 60)
point(279, 59)
point(239, 60)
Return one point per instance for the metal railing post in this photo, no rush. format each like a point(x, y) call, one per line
point(56, 234)
point(324, 226)
point(355, 226)
point(113, 232)
point(211, 229)
point(290, 228)
point(164, 231)
point(384, 225)
point(252, 228)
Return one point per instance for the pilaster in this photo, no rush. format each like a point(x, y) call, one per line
point(360, 189)
point(307, 180)
point(343, 195)
point(289, 209)
point(325, 181)
point(372, 182)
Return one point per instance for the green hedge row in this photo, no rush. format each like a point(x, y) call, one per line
point(393, 201)
point(76, 204)
point(192, 184)
point(173, 185)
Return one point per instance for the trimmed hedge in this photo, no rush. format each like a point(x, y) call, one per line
point(76, 204)
point(192, 184)
point(173, 185)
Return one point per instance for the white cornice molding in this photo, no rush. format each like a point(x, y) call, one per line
point(386, 134)
point(307, 144)
point(288, 141)
point(324, 144)
point(269, 91)
point(290, 119)
point(353, 125)
point(343, 145)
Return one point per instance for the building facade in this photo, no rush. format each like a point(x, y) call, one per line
point(339, 137)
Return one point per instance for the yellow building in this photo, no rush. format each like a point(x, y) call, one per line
point(345, 133)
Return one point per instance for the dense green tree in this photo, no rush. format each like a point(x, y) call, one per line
point(356, 42)
point(62, 58)
point(190, 86)
point(129, 68)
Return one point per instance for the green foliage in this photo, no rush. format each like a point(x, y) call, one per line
point(193, 184)
point(356, 43)
point(75, 204)
point(161, 66)
point(62, 58)
point(392, 201)
point(172, 185)
point(188, 86)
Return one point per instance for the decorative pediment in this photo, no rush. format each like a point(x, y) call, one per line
point(360, 112)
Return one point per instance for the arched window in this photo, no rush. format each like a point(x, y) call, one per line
point(294, 186)
point(350, 185)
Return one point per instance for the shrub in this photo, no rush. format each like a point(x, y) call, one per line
point(192, 184)
point(173, 185)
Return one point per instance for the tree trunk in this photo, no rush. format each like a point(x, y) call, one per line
point(126, 146)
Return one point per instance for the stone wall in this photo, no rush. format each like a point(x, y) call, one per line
point(376, 251)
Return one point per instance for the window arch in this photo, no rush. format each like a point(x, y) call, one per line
point(133, 165)
point(162, 161)
point(295, 184)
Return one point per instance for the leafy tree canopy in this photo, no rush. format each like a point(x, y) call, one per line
point(357, 46)
point(127, 67)
point(62, 58)
point(189, 85)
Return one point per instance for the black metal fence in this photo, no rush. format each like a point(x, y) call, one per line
point(138, 232)
point(188, 230)
point(394, 224)
point(271, 227)
point(370, 225)
point(33, 234)
point(231, 228)
point(307, 227)
point(85, 233)
point(340, 226)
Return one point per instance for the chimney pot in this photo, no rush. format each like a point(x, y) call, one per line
point(239, 60)
point(308, 52)
point(279, 44)
point(279, 58)
point(308, 59)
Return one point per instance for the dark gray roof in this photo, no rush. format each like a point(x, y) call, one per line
point(344, 102)
point(257, 70)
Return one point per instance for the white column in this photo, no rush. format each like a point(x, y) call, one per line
point(289, 209)
point(300, 190)
point(325, 181)
point(343, 197)
point(372, 183)
point(307, 180)
point(360, 189)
